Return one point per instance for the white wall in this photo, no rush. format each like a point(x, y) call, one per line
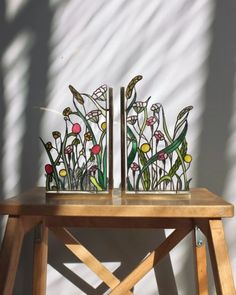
point(186, 52)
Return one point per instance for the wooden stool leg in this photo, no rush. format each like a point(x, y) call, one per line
point(220, 259)
point(10, 253)
point(201, 266)
point(40, 260)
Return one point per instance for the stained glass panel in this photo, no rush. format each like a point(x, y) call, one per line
point(154, 158)
point(78, 157)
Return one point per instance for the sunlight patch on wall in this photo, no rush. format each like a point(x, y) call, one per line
point(111, 41)
point(80, 270)
point(15, 65)
point(13, 7)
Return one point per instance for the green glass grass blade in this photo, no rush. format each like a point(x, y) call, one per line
point(68, 174)
point(133, 151)
point(183, 151)
point(166, 178)
point(101, 178)
point(78, 112)
point(129, 185)
point(131, 103)
point(57, 180)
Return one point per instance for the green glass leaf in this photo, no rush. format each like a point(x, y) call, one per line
point(146, 172)
point(181, 119)
point(131, 103)
point(175, 167)
point(105, 168)
point(184, 111)
point(133, 151)
point(167, 150)
point(95, 183)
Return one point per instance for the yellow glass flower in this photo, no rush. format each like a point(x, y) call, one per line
point(88, 136)
point(67, 111)
point(188, 158)
point(145, 147)
point(49, 146)
point(104, 126)
point(62, 173)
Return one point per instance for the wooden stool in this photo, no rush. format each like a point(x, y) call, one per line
point(202, 213)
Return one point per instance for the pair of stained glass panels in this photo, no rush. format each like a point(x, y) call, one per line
point(153, 159)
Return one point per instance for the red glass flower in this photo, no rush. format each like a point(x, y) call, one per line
point(48, 168)
point(96, 149)
point(76, 128)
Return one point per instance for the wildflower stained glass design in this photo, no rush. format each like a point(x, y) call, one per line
point(153, 158)
point(78, 158)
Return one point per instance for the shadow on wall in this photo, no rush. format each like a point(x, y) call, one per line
point(126, 246)
point(35, 17)
point(219, 92)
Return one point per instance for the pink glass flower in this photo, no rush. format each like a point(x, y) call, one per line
point(134, 166)
point(48, 168)
point(96, 149)
point(162, 156)
point(68, 149)
point(93, 168)
point(159, 135)
point(151, 120)
point(76, 128)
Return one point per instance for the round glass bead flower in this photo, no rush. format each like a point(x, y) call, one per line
point(145, 147)
point(188, 158)
point(104, 126)
point(62, 173)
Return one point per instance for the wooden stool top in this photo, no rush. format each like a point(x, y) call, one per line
point(202, 204)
